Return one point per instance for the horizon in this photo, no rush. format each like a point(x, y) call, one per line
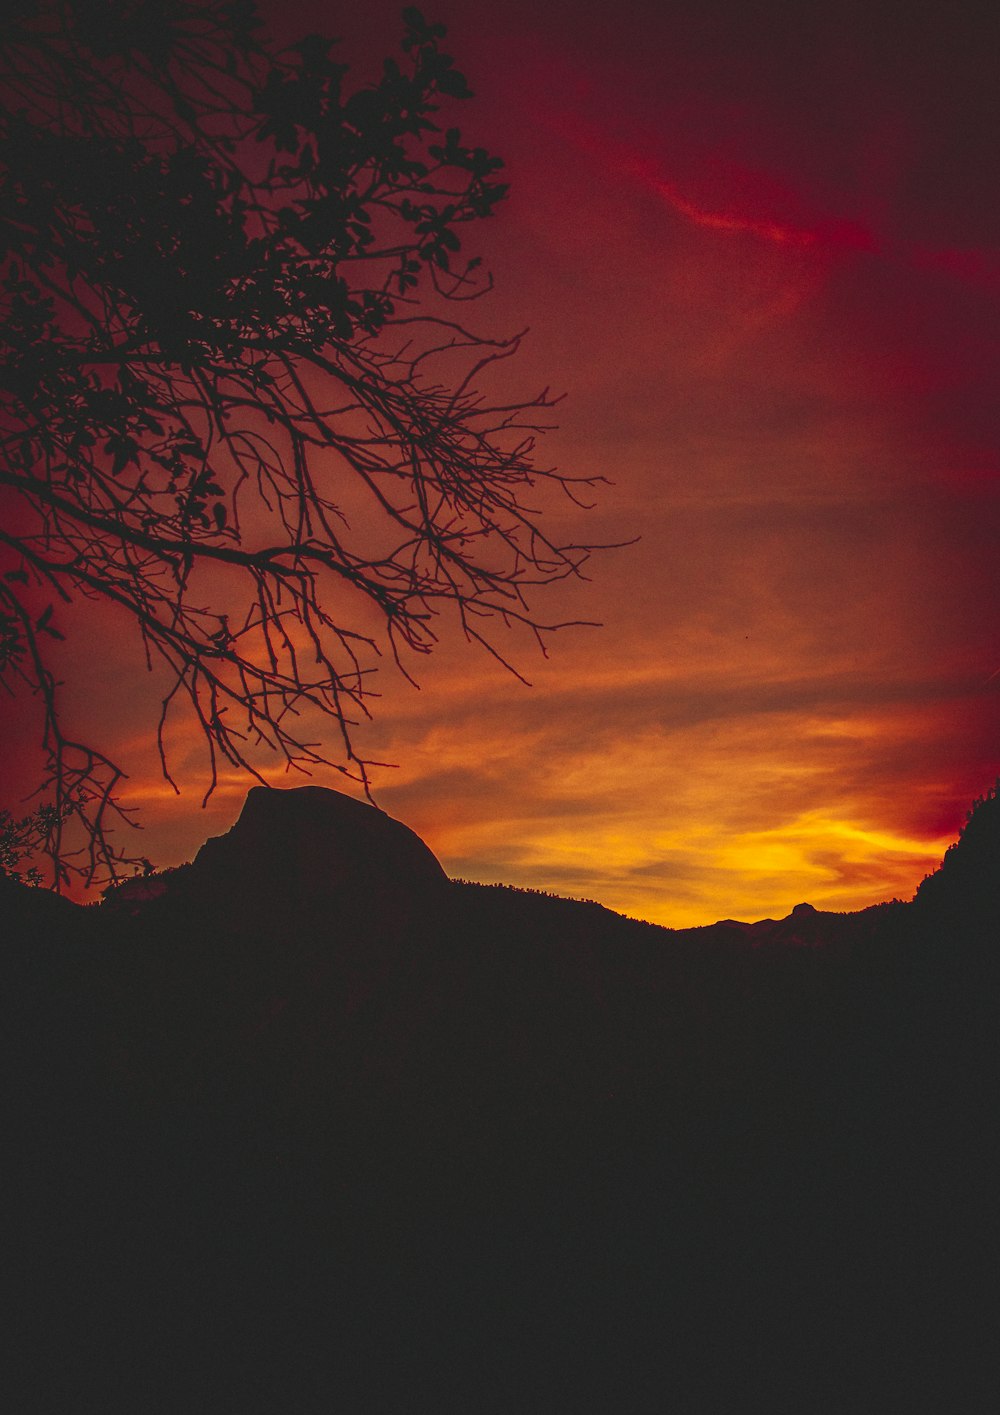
point(731, 918)
point(759, 253)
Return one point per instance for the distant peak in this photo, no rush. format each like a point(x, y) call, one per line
point(302, 801)
point(310, 846)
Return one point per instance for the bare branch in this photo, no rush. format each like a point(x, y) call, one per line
point(232, 403)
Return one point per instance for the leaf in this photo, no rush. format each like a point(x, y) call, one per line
point(124, 452)
point(219, 512)
point(454, 84)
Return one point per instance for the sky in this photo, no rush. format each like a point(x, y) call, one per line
point(758, 249)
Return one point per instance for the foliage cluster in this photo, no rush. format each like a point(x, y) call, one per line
point(21, 839)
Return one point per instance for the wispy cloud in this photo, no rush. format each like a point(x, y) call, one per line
point(771, 296)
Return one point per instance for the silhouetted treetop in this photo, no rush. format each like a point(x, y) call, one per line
point(238, 401)
point(968, 878)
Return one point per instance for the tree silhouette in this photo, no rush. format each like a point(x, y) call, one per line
point(239, 401)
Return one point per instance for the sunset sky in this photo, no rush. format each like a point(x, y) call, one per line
point(758, 248)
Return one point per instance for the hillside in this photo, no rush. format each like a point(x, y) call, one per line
point(306, 1126)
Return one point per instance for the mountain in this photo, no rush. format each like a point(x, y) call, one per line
point(319, 850)
point(305, 1126)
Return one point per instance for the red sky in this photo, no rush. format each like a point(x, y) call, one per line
point(759, 249)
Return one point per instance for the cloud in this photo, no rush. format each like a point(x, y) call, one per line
point(686, 802)
point(765, 272)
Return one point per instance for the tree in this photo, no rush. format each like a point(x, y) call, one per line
point(22, 838)
point(231, 305)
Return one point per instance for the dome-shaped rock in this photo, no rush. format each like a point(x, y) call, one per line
point(312, 849)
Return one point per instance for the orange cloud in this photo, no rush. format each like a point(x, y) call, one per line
point(789, 374)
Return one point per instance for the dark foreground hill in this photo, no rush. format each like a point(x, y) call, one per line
point(304, 1126)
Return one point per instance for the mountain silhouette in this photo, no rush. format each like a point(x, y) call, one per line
point(315, 848)
point(315, 856)
point(303, 1126)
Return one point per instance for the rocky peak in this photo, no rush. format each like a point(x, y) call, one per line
point(312, 849)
